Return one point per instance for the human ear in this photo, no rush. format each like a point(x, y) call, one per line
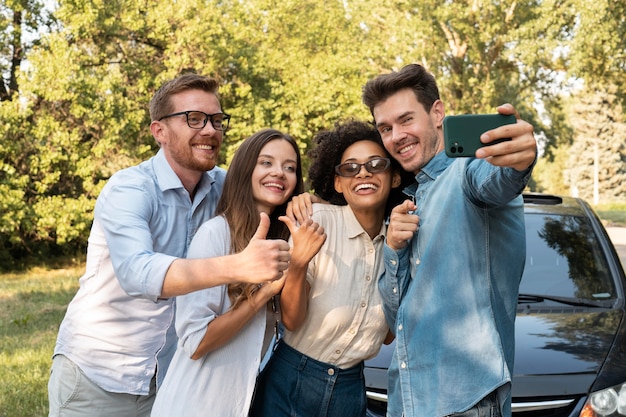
point(437, 112)
point(338, 186)
point(396, 180)
point(156, 128)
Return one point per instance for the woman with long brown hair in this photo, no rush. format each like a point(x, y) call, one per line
point(224, 331)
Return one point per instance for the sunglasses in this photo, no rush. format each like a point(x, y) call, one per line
point(373, 166)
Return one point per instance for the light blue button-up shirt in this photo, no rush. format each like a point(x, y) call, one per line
point(116, 328)
point(450, 296)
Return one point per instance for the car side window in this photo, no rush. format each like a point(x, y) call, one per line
point(563, 258)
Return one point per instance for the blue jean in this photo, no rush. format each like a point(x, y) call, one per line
point(295, 385)
point(487, 407)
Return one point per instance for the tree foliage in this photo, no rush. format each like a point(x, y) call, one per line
point(19, 22)
point(76, 111)
point(597, 158)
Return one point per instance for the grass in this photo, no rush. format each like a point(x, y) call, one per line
point(612, 214)
point(32, 305)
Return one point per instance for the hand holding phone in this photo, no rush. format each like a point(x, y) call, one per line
point(461, 133)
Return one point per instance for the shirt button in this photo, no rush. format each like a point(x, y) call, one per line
point(417, 262)
point(368, 278)
point(331, 371)
point(393, 262)
point(403, 365)
point(399, 327)
point(370, 250)
point(337, 351)
point(363, 305)
point(395, 290)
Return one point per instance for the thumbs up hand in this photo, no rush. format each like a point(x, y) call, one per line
point(263, 260)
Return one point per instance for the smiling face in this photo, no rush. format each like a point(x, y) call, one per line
point(366, 192)
point(274, 177)
point(189, 151)
point(411, 135)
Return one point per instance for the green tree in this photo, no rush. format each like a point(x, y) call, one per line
point(475, 49)
point(597, 45)
point(294, 65)
point(81, 116)
point(19, 22)
point(597, 162)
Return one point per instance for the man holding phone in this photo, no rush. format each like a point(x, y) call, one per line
point(454, 256)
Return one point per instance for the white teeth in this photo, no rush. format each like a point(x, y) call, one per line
point(365, 186)
point(273, 184)
point(406, 149)
point(207, 147)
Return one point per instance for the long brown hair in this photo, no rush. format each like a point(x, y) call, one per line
point(237, 203)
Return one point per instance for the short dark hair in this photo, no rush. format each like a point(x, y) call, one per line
point(160, 105)
point(412, 76)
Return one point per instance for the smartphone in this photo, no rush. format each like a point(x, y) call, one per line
point(461, 133)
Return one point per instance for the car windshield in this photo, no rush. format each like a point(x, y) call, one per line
point(563, 259)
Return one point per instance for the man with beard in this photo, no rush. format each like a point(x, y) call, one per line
point(116, 340)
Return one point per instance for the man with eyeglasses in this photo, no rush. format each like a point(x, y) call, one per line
point(116, 340)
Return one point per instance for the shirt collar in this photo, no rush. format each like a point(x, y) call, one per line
point(430, 172)
point(434, 168)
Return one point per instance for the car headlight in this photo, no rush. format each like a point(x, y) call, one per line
point(610, 402)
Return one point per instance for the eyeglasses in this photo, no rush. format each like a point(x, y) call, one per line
point(373, 166)
point(197, 119)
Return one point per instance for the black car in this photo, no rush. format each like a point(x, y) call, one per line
point(570, 346)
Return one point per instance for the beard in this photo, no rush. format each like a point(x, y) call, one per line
point(186, 158)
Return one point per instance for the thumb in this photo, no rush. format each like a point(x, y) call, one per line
point(289, 222)
point(264, 226)
point(405, 207)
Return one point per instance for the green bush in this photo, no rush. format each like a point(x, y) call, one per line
point(612, 214)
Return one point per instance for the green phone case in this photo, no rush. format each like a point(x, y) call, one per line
point(461, 133)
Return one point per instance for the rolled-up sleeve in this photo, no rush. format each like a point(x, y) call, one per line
point(129, 215)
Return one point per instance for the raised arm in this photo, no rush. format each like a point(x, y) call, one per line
point(307, 239)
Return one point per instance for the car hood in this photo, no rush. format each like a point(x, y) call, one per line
point(555, 343)
point(557, 351)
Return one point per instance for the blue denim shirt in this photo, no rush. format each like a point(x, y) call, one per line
point(450, 296)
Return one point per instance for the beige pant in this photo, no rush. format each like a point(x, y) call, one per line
point(72, 394)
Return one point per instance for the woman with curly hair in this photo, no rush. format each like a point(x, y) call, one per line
point(224, 331)
point(331, 308)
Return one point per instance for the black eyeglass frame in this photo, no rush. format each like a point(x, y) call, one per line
point(368, 167)
point(207, 117)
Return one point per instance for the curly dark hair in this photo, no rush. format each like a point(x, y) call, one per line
point(330, 146)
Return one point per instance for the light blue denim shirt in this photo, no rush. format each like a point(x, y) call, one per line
point(116, 328)
point(450, 296)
